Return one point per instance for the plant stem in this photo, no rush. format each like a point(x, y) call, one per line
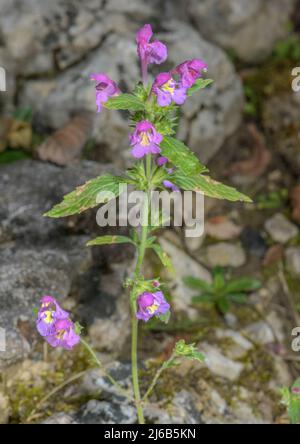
point(134, 321)
point(107, 375)
point(156, 377)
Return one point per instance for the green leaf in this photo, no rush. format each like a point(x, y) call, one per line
point(239, 298)
point(78, 328)
point(294, 410)
point(188, 351)
point(35, 311)
point(181, 156)
point(106, 240)
point(209, 187)
point(218, 279)
point(165, 317)
point(199, 84)
point(242, 284)
point(85, 196)
point(165, 259)
point(126, 102)
point(223, 305)
point(205, 298)
point(197, 284)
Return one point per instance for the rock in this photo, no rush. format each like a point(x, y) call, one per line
point(292, 260)
point(94, 383)
point(250, 29)
point(280, 228)
point(281, 121)
point(5, 409)
point(260, 332)
point(219, 364)
point(184, 266)
point(225, 254)
point(208, 117)
point(222, 228)
point(253, 242)
point(22, 207)
point(102, 412)
point(239, 347)
point(182, 409)
point(59, 418)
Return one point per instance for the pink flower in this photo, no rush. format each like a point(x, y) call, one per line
point(151, 304)
point(171, 185)
point(189, 71)
point(64, 335)
point(145, 139)
point(168, 90)
point(105, 88)
point(155, 52)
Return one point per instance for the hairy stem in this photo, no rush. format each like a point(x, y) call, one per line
point(156, 377)
point(134, 321)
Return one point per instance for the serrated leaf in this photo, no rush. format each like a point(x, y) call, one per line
point(199, 84)
point(107, 240)
point(242, 284)
point(197, 284)
point(85, 196)
point(188, 351)
point(163, 256)
point(181, 156)
point(125, 102)
point(209, 187)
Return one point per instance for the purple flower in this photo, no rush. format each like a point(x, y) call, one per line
point(161, 160)
point(145, 139)
point(171, 185)
point(189, 71)
point(296, 390)
point(151, 304)
point(48, 314)
point(64, 335)
point(105, 88)
point(168, 90)
point(155, 52)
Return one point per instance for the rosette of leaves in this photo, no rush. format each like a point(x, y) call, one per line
point(222, 292)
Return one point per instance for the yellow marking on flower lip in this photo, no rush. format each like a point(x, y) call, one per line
point(49, 317)
point(60, 334)
point(152, 308)
point(145, 138)
point(167, 87)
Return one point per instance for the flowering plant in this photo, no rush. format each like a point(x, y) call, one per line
point(162, 162)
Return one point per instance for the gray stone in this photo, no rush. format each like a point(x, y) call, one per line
point(219, 364)
point(292, 260)
point(260, 332)
point(280, 228)
point(225, 254)
point(102, 412)
point(239, 347)
point(60, 418)
point(249, 28)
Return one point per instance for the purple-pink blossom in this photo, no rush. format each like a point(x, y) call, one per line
point(161, 160)
point(145, 139)
point(168, 90)
point(171, 186)
point(64, 335)
point(105, 88)
point(54, 325)
point(296, 390)
point(151, 304)
point(155, 52)
point(189, 71)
